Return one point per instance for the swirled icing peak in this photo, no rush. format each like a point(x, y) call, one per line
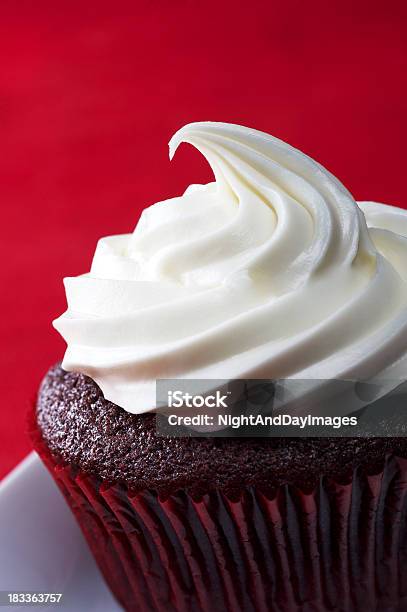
point(271, 271)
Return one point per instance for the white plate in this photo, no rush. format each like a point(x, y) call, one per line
point(41, 546)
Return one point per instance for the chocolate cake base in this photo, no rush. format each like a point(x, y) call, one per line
point(84, 430)
point(232, 525)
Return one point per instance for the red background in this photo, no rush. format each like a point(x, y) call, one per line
point(90, 93)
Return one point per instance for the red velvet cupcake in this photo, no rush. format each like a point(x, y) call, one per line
point(271, 272)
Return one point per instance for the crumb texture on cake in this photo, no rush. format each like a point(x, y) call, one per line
point(83, 429)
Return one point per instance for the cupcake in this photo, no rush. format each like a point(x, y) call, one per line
point(270, 272)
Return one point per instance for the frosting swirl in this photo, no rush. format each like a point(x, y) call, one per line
point(269, 272)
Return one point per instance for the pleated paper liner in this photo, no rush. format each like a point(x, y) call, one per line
point(342, 547)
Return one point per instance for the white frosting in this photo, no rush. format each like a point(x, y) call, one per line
point(270, 272)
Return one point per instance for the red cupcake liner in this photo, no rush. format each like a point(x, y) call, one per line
point(342, 547)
